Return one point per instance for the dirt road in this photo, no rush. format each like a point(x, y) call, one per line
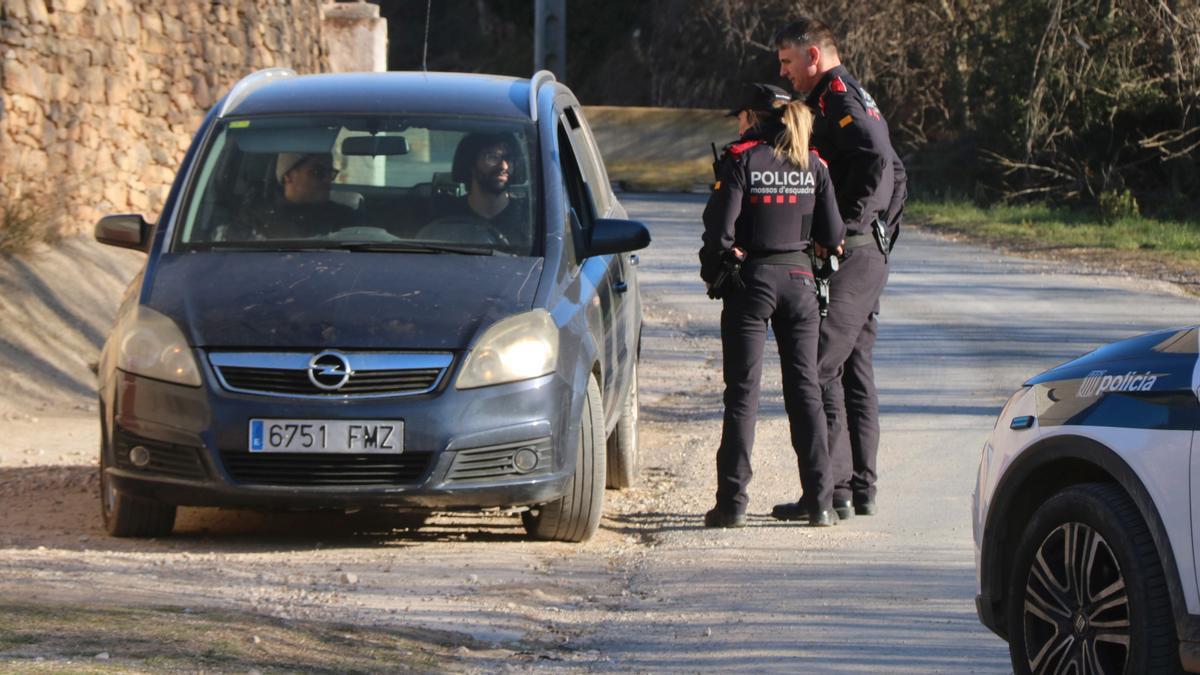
point(233, 591)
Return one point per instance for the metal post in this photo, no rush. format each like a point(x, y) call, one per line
point(550, 37)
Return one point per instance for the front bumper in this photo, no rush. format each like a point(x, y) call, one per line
point(198, 440)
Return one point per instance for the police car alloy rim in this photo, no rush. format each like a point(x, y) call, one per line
point(1076, 616)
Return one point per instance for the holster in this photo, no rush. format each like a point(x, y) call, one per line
point(882, 240)
point(729, 277)
point(821, 276)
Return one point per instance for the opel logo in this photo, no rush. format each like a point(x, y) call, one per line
point(329, 371)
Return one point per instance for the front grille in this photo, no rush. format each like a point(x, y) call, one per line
point(493, 462)
point(166, 459)
point(370, 374)
point(297, 469)
point(283, 381)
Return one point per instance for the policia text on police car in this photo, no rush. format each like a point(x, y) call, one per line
point(771, 206)
point(851, 135)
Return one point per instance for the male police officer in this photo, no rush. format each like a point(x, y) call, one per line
point(869, 179)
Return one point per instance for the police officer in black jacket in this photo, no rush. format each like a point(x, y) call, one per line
point(852, 136)
point(772, 202)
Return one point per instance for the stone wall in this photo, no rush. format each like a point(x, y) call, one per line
point(101, 97)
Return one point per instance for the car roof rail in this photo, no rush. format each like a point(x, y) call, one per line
point(535, 83)
point(249, 83)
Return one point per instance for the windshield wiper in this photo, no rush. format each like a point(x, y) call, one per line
point(412, 247)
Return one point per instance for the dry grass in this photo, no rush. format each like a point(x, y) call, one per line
point(661, 176)
point(659, 149)
point(26, 221)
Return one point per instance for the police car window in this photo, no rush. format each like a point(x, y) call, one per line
point(424, 182)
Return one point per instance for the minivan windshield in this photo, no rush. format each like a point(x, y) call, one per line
point(420, 183)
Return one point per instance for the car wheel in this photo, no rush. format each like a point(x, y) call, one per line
point(1087, 592)
point(623, 443)
point(576, 515)
point(129, 516)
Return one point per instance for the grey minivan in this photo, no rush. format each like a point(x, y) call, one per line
point(407, 291)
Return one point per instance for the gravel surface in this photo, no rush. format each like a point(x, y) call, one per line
point(961, 328)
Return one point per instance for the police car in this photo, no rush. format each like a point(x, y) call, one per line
point(378, 290)
point(1083, 513)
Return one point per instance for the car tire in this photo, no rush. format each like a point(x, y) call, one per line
point(129, 516)
point(1059, 625)
point(576, 515)
point(623, 442)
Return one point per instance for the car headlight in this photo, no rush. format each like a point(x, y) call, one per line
point(151, 345)
point(520, 347)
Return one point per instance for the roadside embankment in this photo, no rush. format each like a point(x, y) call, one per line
point(660, 149)
point(56, 306)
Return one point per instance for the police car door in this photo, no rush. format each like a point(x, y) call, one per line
point(605, 272)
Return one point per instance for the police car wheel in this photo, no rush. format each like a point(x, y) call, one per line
point(129, 516)
point(1087, 593)
point(623, 442)
point(576, 515)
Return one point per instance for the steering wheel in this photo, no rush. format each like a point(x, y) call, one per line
point(364, 233)
point(463, 229)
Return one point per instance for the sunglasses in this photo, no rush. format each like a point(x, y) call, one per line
point(494, 158)
point(321, 171)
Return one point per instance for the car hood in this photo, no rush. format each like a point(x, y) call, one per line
point(339, 299)
point(1163, 360)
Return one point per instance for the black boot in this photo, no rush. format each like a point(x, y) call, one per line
point(822, 518)
point(790, 511)
point(717, 517)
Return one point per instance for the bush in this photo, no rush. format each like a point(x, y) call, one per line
point(1118, 205)
point(25, 221)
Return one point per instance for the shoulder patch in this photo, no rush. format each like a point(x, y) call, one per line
point(837, 86)
point(845, 121)
point(738, 148)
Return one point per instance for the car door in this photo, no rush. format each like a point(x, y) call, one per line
point(606, 283)
point(622, 268)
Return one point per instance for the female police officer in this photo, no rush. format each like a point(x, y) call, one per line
point(773, 200)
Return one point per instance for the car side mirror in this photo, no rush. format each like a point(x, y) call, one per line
point(617, 236)
point(125, 231)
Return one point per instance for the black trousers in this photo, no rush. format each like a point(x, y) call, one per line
point(846, 374)
point(784, 296)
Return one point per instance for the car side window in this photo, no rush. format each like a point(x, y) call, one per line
point(589, 158)
point(578, 194)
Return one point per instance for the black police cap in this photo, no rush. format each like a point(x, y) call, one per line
point(760, 98)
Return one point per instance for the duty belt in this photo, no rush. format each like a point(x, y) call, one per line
point(858, 241)
point(878, 236)
point(785, 258)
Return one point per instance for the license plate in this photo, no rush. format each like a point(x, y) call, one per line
point(341, 436)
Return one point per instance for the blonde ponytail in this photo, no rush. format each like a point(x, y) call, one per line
point(792, 143)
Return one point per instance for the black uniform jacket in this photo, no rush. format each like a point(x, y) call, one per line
point(766, 205)
point(852, 136)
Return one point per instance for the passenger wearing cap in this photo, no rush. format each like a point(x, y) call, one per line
point(301, 207)
point(772, 204)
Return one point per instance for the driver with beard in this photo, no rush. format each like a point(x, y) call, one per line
point(489, 164)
